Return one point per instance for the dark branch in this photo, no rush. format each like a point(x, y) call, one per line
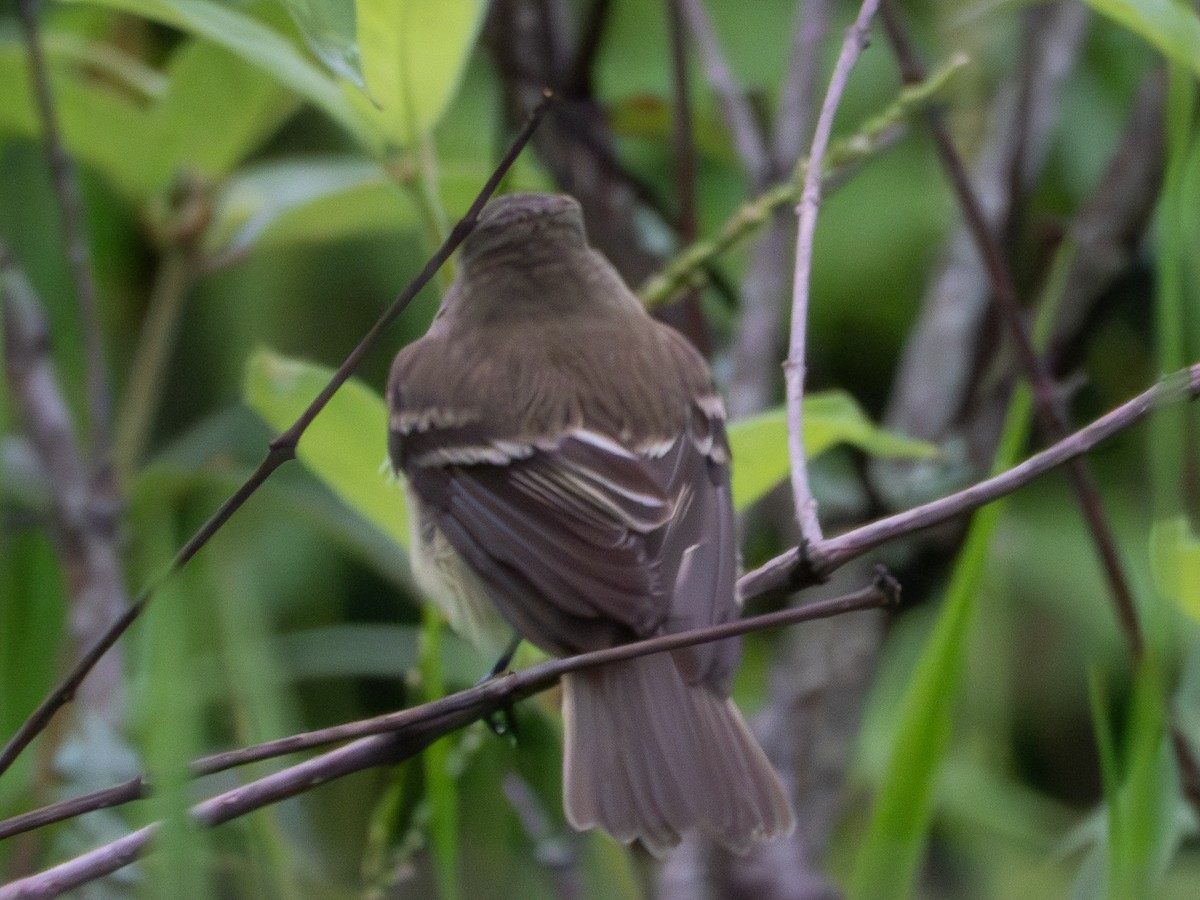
point(396, 737)
point(789, 570)
point(282, 449)
point(1049, 408)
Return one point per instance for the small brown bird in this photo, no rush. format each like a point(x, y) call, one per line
point(568, 477)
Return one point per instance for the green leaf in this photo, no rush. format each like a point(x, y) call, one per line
point(331, 29)
point(413, 56)
point(216, 110)
point(345, 446)
point(759, 443)
point(258, 44)
point(102, 126)
point(1169, 25)
point(1175, 559)
point(314, 199)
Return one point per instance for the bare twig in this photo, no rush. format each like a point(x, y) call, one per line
point(786, 572)
point(134, 789)
point(420, 726)
point(282, 449)
point(940, 362)
point(842, 157)
point(1050, 410)
point(748, 139)
point(791, 569)
point(70, 204)
point(758, 343)
point(810, 202)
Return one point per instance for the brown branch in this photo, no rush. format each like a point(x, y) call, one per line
point(786, 572)
point(396, 737)
point(79, 260)
point(791, 569)
point(281, 449)
point(1049, 408)
point(810, 202)
point(134, 789)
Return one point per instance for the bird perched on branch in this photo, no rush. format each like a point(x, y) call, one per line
point(568, 477)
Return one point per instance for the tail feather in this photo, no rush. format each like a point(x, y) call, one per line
point(649, 757)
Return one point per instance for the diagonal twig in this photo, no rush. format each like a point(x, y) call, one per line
point(787, 572)
point(391, 739)
point(281, 449)
point(1049, 408)
point(792, 568)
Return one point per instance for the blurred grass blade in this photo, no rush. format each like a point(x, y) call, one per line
point(441, 787)
point(895, 840)
point(1169, 25)
point(331, 29)
point(346, 445)
point(759, 443)
point(1139, 787)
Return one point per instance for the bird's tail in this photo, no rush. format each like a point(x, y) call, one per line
point(648, 757)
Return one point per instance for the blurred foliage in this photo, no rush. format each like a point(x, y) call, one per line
point(262, 174)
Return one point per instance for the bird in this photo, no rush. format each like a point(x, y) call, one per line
point(566, 466)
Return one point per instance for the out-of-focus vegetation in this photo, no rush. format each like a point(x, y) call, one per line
point(261, 178)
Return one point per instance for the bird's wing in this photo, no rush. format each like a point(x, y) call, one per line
point(566, 535)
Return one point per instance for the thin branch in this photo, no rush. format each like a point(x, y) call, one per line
point(134, 789)
point(790, 569)
point(787, 572)
point(873, 136)
point(281, 449)
point(1050, 410)
point(79, 260)
point(810, 202)
point(388, 744)
point(748, 140)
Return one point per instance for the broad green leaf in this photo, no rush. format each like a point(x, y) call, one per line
point(330, 27)
point(1175, 556)
point(216, 110)
point(204, 114)
point(102, 126)
point(759, 443)
point(346, 445)
point(413, 56)
point(258, 44)
point(315, 199)
point(1172, 27)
